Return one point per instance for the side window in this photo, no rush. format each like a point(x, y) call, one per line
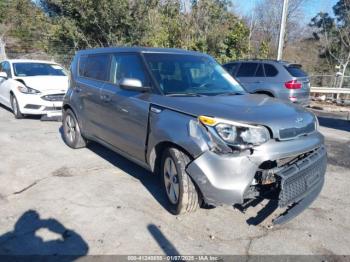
point(247, 70)
point(127, 66)
point(270, 70)
point(260, 71)
point(94, 66)
point(231, 68)
point(6, 68)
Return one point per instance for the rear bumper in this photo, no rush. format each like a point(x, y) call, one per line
point(301, 97)
point(226, 179)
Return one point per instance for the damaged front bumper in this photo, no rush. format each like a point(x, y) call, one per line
point(232, 179)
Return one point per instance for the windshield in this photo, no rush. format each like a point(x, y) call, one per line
point(37, 69)
point(190, 74)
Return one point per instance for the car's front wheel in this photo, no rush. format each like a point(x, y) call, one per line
point(71, 131)
point(180, 190)
point(15, 107)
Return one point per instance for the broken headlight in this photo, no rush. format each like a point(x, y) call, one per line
point(236, 134)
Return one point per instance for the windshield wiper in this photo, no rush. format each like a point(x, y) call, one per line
point(230, 94)
point(184, 94)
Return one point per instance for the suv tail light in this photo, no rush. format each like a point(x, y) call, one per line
point(293, 84)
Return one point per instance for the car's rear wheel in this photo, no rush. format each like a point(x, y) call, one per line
point(71, 131)
point(15, 107)
point(180, 190)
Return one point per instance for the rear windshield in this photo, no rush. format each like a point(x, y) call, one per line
point(296, 71)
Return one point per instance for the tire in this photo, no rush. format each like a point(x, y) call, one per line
point(71, 130)
point(181, 192)
point(15, 107)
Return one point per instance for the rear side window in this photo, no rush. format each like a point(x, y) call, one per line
point(260, 71)
point(231, 68)
point(270, 70)
point(94, 66)
point(247, 70)
point(296, 71)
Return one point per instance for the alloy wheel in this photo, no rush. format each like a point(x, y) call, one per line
point(70, 128)
point(171, 181)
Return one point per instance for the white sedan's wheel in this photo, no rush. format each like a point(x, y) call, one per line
point(15, 107)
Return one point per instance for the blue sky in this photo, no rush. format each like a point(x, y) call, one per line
point(310, 7)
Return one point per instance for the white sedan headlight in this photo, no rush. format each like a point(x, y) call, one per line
point(237, 134)
point(27, 90)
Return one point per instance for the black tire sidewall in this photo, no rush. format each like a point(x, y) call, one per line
point(70, 113)
point(17, 115)
point(174, 208)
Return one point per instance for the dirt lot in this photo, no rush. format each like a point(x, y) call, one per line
point(55, 200)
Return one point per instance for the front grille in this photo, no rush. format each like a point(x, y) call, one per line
point(30, 106)
point(51, 108)
point(55, 97)
point(300, 178)
point(289, 133)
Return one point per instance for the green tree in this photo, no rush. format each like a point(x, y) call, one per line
point(334, 35)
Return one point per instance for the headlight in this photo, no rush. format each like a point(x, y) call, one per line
point(237, 134)
point(27, 90)
point(227, 132)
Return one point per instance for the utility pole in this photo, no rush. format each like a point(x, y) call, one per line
point(282, 29)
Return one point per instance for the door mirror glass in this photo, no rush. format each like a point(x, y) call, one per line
point(132, 84)
point(3, 75)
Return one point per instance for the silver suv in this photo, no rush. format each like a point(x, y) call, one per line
point(278, 79)
point(180, 115)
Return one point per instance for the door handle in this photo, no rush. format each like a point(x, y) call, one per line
point(77, 89)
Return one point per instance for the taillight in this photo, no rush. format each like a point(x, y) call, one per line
point(293, 84)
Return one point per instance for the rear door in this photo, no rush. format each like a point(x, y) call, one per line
point(246, 75)
point(93, 72)
point(125, 112)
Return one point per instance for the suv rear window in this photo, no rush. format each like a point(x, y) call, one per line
point(94, 66)
point(296, 71)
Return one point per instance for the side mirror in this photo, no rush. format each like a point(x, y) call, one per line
point(133, 84)
point(3, 75)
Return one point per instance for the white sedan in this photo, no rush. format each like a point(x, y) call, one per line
point(32, 87)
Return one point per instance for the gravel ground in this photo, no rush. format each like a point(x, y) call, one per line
point(55, 200)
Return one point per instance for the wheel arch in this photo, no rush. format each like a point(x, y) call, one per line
point(265, 92)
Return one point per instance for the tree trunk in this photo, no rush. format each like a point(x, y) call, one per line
point(2, 50)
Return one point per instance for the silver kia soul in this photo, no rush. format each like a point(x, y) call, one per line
point(179, 114)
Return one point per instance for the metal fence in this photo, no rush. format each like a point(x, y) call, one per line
point(329, 81)
point(327, 87)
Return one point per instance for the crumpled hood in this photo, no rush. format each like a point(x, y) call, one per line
point(249, 108)
point(46, 83)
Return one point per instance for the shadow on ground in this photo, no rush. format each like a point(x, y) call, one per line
point(168, 248)
point(25, 240)
point(150, 181)
point(33, 117)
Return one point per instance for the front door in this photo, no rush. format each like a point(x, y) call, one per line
point(125, 113)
